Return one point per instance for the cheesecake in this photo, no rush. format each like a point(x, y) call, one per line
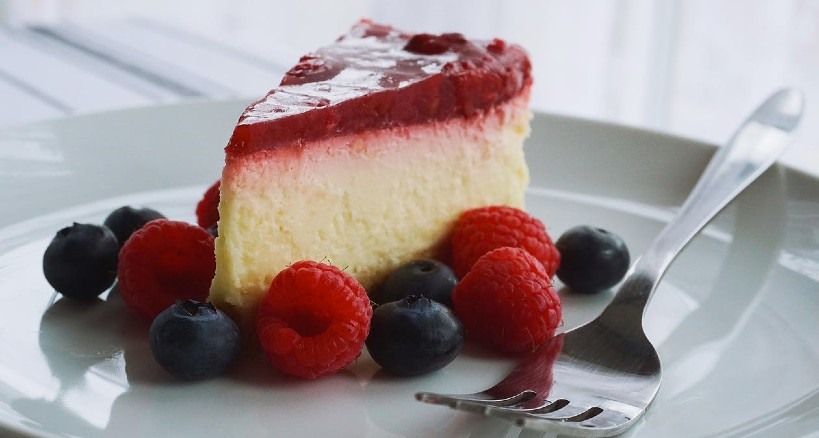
point(366, 154)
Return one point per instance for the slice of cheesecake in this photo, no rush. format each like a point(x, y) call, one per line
point(366, 154)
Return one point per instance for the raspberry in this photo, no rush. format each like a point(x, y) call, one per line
point(506, 301)
point(163, 262)
point(313, 320)
point(207, 210)
point(481, 230)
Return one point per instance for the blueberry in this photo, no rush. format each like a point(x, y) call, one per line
point(591, 259)
point(125, 220)
point(426, 277)
point(213, 230)
point(414, 336)
point(81, 261)
point(194, 340)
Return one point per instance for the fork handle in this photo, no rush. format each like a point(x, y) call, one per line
point(752, 149)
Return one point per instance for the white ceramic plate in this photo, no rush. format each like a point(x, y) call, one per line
point(735, 320)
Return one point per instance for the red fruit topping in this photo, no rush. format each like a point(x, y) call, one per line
point(497, 46)
point(207, 210)
point(481, 230)
point(313, 320)
point(506, 302)
point(396, 88)
point(165, 261)
point(426, 44)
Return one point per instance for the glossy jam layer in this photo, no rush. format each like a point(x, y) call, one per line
point(377, 77)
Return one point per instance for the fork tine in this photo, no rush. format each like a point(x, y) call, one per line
point(545, 407)
point(586, 428)
point(474, 400)
point(569, 420)
point(560, 410)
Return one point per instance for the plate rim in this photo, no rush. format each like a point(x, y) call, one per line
point(701, 145)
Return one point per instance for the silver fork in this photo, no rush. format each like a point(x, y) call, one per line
point(598, 379)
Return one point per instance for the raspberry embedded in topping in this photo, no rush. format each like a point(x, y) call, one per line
point(427, 44)
point(312, 69)
point(497, 46)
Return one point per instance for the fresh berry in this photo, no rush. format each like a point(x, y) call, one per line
point(81, 261)
point(213, 230)
point(414, 336)
point(313, 320)
point(426, 277)
point(481, 230)
point(125, 220)
point(506, 302)
point(163, 262)
point(193, 340)
point(593, 259)
point(207, 210)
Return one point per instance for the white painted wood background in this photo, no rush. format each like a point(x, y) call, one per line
point(689, 67)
